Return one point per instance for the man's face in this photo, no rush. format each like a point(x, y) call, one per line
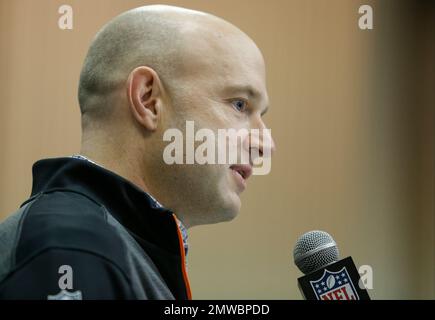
point(223, 86)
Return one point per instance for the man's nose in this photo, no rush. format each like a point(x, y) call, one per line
point(262, 140)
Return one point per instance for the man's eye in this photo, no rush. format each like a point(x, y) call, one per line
point(239, 104)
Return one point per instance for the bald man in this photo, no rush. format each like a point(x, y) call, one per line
point(111, 222)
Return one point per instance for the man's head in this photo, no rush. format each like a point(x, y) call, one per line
point(154, 68)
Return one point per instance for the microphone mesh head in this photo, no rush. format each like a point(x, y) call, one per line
point(314, 250)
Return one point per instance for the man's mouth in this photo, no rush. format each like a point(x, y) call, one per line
point(242, 173)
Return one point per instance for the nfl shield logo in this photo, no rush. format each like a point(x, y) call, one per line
point(334, 286)
point(66, 295)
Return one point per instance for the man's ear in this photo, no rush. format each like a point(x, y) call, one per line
point(144, 93)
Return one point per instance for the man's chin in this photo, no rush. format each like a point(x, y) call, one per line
point(219, 217)
point(232, 207)
point(227, 209)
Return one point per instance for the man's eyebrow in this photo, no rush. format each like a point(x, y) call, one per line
point(251, 91)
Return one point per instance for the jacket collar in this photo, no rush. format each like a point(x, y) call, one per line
point(152, 225)
point(154, 204)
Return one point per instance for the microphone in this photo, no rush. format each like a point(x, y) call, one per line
point(326, 277)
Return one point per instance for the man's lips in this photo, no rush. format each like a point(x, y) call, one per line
point(245, 170)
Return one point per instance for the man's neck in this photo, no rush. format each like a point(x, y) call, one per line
point(125, 166)
point(181, 226)
point(122, 166)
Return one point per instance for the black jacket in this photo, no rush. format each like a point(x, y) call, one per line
point(87, 233)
